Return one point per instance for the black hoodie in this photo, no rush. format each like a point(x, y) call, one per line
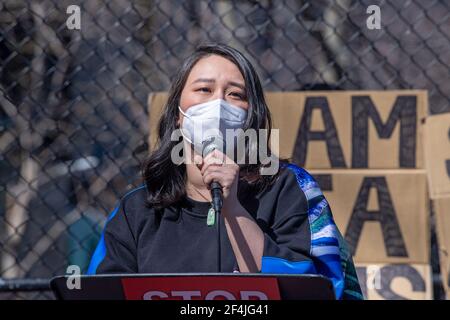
point(300, 235)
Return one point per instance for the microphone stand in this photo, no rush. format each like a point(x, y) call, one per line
point(216, 193)
point(219, 267)
point(208, 146)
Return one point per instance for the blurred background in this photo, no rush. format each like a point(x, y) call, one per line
point(73, 103)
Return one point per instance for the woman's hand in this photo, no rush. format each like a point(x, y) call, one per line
point(246, 237)
point(216, 166)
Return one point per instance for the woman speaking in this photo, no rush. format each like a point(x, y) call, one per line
point(278, 223)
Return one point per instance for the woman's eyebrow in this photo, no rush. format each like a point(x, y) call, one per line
point(233, 83)
point(203, 80)
point(241, 86)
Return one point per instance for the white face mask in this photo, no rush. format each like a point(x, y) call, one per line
point(211, 118)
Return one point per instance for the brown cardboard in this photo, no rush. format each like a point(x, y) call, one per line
point(395, 281)
point(442, 212)
point(156, 102)
point(398, 198)
point(344, 152)
point(437, 155)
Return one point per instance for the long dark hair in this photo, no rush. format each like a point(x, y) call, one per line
point(165, 180)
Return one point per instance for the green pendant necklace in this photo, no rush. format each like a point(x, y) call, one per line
point(211, 218)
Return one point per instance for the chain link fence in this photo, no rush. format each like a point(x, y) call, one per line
point(73, 118)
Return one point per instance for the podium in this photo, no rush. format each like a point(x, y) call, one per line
point(193, 286)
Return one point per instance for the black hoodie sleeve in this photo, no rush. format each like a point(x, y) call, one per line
point(303, 237)
point(287, 239)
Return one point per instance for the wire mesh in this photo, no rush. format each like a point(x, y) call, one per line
point(73, 118)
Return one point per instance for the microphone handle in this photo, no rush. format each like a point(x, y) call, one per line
point(216, 196)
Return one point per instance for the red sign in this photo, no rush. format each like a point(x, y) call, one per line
point(201, 288)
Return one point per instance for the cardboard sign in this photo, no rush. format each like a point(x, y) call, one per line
point(347, 129)
point(351, 129)
point(201, 288)
point(395, 281)
point(437, 147)
point(442, 212)
point(383, 215)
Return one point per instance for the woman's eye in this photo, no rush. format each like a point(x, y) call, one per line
point(204, 89)
point(237, 94)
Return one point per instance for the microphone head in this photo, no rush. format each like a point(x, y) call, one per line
point(212, 143)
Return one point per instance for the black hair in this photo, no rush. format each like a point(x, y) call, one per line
point(164, 179)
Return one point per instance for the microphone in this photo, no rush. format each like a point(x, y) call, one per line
point(208, 146)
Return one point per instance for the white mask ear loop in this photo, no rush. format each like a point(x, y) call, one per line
point(184, 114)
point(181, 129)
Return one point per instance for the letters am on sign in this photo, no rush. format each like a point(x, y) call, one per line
point(350, 129)
point(383, 215)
